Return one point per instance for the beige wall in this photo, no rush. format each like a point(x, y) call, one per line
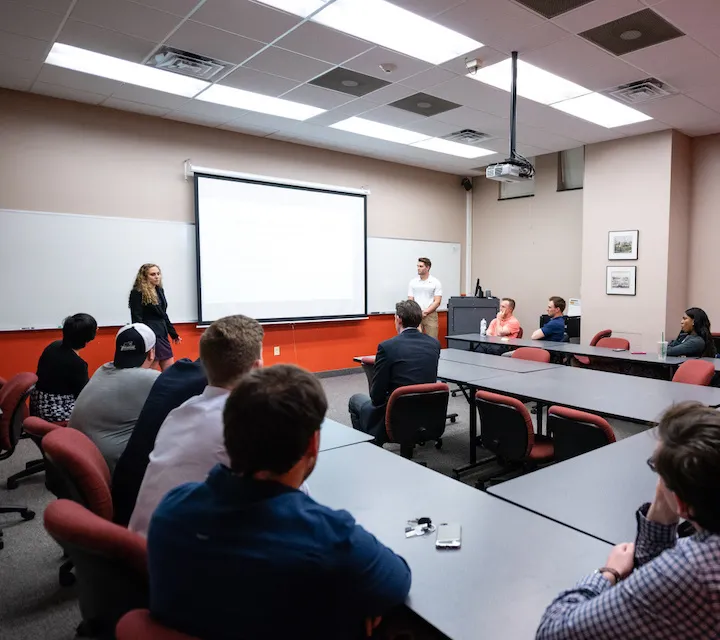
point(68, 157)
point(528, 248)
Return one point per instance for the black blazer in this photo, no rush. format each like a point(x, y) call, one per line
point(411, 357)
point(153, 315)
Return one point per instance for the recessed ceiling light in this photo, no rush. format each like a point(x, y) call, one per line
point(601, 110)
point(386, 24)
point(533, 83)
point(452, 148)
point(349, 83)
point(373, 129)
point(230, 97)
point(98, 64)
point(631, 34)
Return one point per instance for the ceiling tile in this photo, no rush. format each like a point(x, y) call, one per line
point(288, 65)
point(350, 82)
point(262, 121)
point(53, 6)
point(392, 116)
point(545, 139)
point(528, 39)
point(328, 118)
point(708, 96)
point(683, 113)
point(356, 107)
point(434, 127)
point(424, 104)
point(427, 8)
point(27, 69)
point(317, 96)
point(17, 46)
point(584, 63)
point(476, 95)
point(641, 128)
point(207, 41)
point(390, 93)
point(237, 126)
point(15, 83)
point(248, 19)
point(323, 43)
point(192, 118)
point(429, 78)
point(251, 80)
point(66, 93)
point(76, 80)
point(158, 99)
point(17, 17)
point(682, 63)
point(136, 107)
point(177, 7)
point(467, 118)
point(217, 112)
point(700, 19)
point(370, 62)
point(110, 43)
point(502, 145)
point(126, 17)
point(541, 116)
point(596, 13)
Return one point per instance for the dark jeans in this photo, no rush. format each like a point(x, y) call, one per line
point(492, 349)
point(361, 413)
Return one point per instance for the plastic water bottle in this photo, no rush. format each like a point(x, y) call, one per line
point(483, 327)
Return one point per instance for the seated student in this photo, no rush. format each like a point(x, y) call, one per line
point(670, 587)
point(190, 440)
point(246, 554)
point(175, 385)
point(109, 406)
point(505, 325)
point(62, 373)
point(554, 329)
point(695, 338)
point(411, 357)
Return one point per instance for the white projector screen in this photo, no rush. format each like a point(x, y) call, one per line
point(278, 252)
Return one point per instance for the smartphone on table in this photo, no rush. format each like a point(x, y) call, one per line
point(449, 535)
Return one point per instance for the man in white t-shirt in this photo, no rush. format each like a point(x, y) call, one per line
point(426, 290)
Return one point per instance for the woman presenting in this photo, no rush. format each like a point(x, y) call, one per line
point(149, 306)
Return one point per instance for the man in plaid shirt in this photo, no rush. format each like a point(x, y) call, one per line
point(660, 587)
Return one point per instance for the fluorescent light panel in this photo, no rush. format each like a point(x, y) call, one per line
point(385, 24)
point(98, 64)
point(601, 110)
point(533, 83)
point(378, 130)
point(249, 101)
point(453, 148)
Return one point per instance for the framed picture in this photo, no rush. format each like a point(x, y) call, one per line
point(623, 245)
point(621, 281)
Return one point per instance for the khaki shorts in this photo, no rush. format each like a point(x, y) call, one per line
point(429, 324)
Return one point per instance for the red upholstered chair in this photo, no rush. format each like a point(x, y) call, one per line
point(531, 353)
point(84, 475)
point(695, 372)
point(13, 404)
point(520, 333)
point(585, 360)
point(368, 366)
point(575, 432)
point(139, 625)
point(506, 430)
point(614, 343)
point(110, 564)
point(2, 382)
point(37, 429)
point(415, 414)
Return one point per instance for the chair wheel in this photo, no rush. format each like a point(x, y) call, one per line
point(67, 579)
point(421, 443)
point(27, 514)
point(453, 419)
point(454, 394)
point(12, 484)
point(439, 443)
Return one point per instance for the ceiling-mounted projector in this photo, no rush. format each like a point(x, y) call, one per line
point(508, 172)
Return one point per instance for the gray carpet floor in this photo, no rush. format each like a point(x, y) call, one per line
point(34, 606)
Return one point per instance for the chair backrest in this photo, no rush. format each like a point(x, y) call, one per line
point(695, 372)
point(506, 427)
point(110, 563)
point(139, 625)
point(520, 333)
point(531, 353)
point(614, 343)
point(13, 402)
point(575, 432)
point(605, 333)
point(416, 413)
point(83, 469)
point(368, 366)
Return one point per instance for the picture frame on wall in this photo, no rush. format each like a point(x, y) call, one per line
point(623, 245)
point(621, 281)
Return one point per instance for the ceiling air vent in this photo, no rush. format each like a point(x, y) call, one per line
point(467, 136)
point(641, 91)
point(188, 64)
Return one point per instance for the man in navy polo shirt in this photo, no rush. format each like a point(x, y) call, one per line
point(554, 329)
point(246, 554)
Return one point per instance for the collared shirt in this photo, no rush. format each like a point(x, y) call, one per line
point(510, 324)
point(424, 291)
point(554, 329)
point(189, 444)
point(237, 557)
point(673, 593)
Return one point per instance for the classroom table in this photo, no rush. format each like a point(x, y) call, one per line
point(334, 435)
point(596, 493)
point(610, 394)
point(512, 562)
point(515, 365)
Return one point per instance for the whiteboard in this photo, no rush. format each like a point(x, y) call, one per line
point(55, 264)
point(392, 263)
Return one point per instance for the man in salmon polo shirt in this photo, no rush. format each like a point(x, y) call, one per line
point(505, 325)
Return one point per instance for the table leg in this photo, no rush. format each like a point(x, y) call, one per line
point(539, 418)
point(473, 464)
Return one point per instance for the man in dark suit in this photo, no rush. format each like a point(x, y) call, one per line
point(411, 357)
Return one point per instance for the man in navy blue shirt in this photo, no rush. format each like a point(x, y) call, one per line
point(554, 329)
point(245, 554)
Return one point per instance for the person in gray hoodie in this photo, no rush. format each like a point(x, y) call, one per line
point(695, 339)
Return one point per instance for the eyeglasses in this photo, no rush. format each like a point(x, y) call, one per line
point(651, 464)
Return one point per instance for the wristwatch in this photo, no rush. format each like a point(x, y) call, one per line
point(613, 572)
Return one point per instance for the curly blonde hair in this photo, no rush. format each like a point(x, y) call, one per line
point(142, 284)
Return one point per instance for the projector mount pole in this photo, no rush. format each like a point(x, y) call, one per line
point(513, 106)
